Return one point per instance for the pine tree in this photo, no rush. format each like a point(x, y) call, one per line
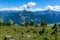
point(55, 31)
point(9, 23)
point(42, 31)
point(26, 23)
point(31, 23)
point(43, 23)
point(36, 25)
point(1, 23)
point(55, 26)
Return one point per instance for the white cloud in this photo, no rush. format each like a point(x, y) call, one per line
point(12, 8)
point(38, 9)
point(23, 7)
point(49, 7)
point(29, 6)
point(55, 8)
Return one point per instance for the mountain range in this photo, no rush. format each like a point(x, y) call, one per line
point(19, 17)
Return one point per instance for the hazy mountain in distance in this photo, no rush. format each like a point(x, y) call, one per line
point(19, 17)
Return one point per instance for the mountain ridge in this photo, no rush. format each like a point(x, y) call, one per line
point(18, 17)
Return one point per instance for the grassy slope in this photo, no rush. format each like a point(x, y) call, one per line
point(16, 31)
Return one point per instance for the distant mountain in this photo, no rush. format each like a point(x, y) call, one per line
point(19, 17)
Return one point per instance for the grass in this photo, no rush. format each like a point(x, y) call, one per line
point(16, 32)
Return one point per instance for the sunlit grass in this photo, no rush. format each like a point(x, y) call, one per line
point(16, 32)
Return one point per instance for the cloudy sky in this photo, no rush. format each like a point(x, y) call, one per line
point(30, 4)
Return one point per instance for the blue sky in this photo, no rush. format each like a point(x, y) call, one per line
point(18, 3)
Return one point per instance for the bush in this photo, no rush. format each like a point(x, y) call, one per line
point(9, 24)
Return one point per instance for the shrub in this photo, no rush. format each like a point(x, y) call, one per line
point(9, 23)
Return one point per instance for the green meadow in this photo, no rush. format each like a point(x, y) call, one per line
point(31, 32)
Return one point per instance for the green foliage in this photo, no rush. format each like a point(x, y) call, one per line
point(26, 23)
point(42, 31)
point(56, 36)
point(46, 38)
point(55, 28)
point(4, 24)
point(35, 33)
point(43, 23)
point(1, 23)
point(8, 23)
point(31, 23)
point(36, 25)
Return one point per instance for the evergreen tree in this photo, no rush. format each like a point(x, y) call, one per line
point(31, 23)
point(36, 25)
point(43, 23)
point(9, 23)
point(55, 28)
point(1, 23)
point(26, 24)
point(42, 31)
